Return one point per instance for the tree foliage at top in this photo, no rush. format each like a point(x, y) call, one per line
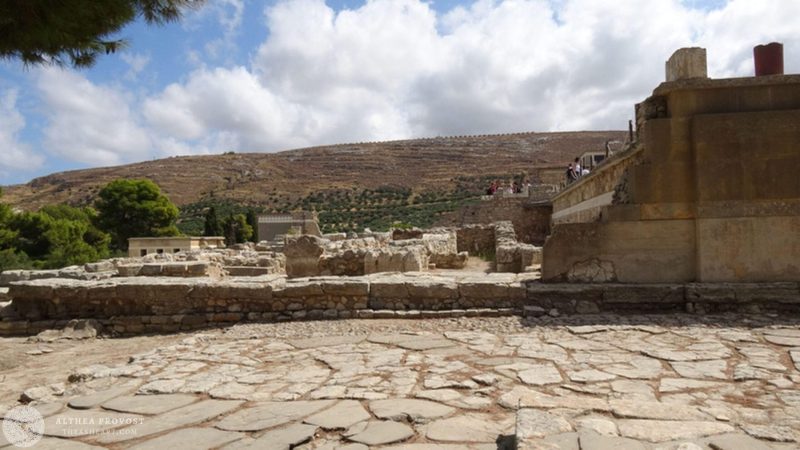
point(75, 31)
point(135, 208)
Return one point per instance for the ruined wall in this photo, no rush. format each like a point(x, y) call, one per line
point(140, 304)
point(511, 255)
point(477, 239)
point(531, 219)
point(129, 306)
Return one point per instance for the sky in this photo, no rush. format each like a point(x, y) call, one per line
point(254, 76)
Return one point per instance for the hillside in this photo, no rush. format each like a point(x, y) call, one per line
point(376, 176)
point(253, 177)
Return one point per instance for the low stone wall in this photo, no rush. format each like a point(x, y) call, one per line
point(137, 305)
point(141, 304)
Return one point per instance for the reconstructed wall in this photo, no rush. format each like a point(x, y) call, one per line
point(710, 195)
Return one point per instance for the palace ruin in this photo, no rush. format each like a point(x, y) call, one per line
point(696, 216)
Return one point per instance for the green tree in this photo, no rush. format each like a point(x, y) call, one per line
point(77, 219)
point(252, 220)
point(12, 259)
point(67, 245)
point(212, 226)
point(7, 235)
point(75, 31)
point(135, 208)
point(237, 230)
point(31, 229)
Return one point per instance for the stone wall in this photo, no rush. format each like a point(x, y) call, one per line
point(138, 305)
point(510, 255)
point(477, 239)
point(531, 219)
point(709, 194)
point(377, 252)
point(142, 304)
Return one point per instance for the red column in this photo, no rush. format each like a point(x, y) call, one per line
point(769, 59)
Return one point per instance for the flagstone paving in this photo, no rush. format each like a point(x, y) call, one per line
point(642, 382)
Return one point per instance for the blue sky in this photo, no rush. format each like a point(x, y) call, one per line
point(241, 75)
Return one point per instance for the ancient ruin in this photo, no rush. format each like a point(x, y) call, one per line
point(706, 193)
point(262, 345)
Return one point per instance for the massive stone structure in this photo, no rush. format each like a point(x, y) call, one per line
point(709, 192)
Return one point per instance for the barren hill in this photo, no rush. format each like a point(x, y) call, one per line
point(259, 178)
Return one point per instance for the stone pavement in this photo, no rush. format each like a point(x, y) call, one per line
point(640, 382)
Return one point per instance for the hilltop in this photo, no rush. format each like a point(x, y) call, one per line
point(362, 176)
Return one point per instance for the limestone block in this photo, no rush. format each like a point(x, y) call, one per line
point(38, 289)
point(415, 260)
point(101, 266)
point(346, 287)
point(483, 289)
point(300, 289)
point(687, 63)
point(129, 270)
point(592, 271)
point(248, 271)
point(260, 291)
point(432, 288)
point(391, 288)
point(9, 276)
point(302, 255)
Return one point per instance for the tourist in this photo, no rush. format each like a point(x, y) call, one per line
point(577, 168)
point(571, 175)
point(584, 172)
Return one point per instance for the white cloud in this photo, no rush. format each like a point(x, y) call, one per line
point(15, 155)
point(227, 16)
point(89, 123)
point(136, 63)
point(396, 69)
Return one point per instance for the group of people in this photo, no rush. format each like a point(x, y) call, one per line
point(575, 171)
point(512, 188)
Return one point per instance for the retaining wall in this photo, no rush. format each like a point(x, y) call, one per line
point(138, 305)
